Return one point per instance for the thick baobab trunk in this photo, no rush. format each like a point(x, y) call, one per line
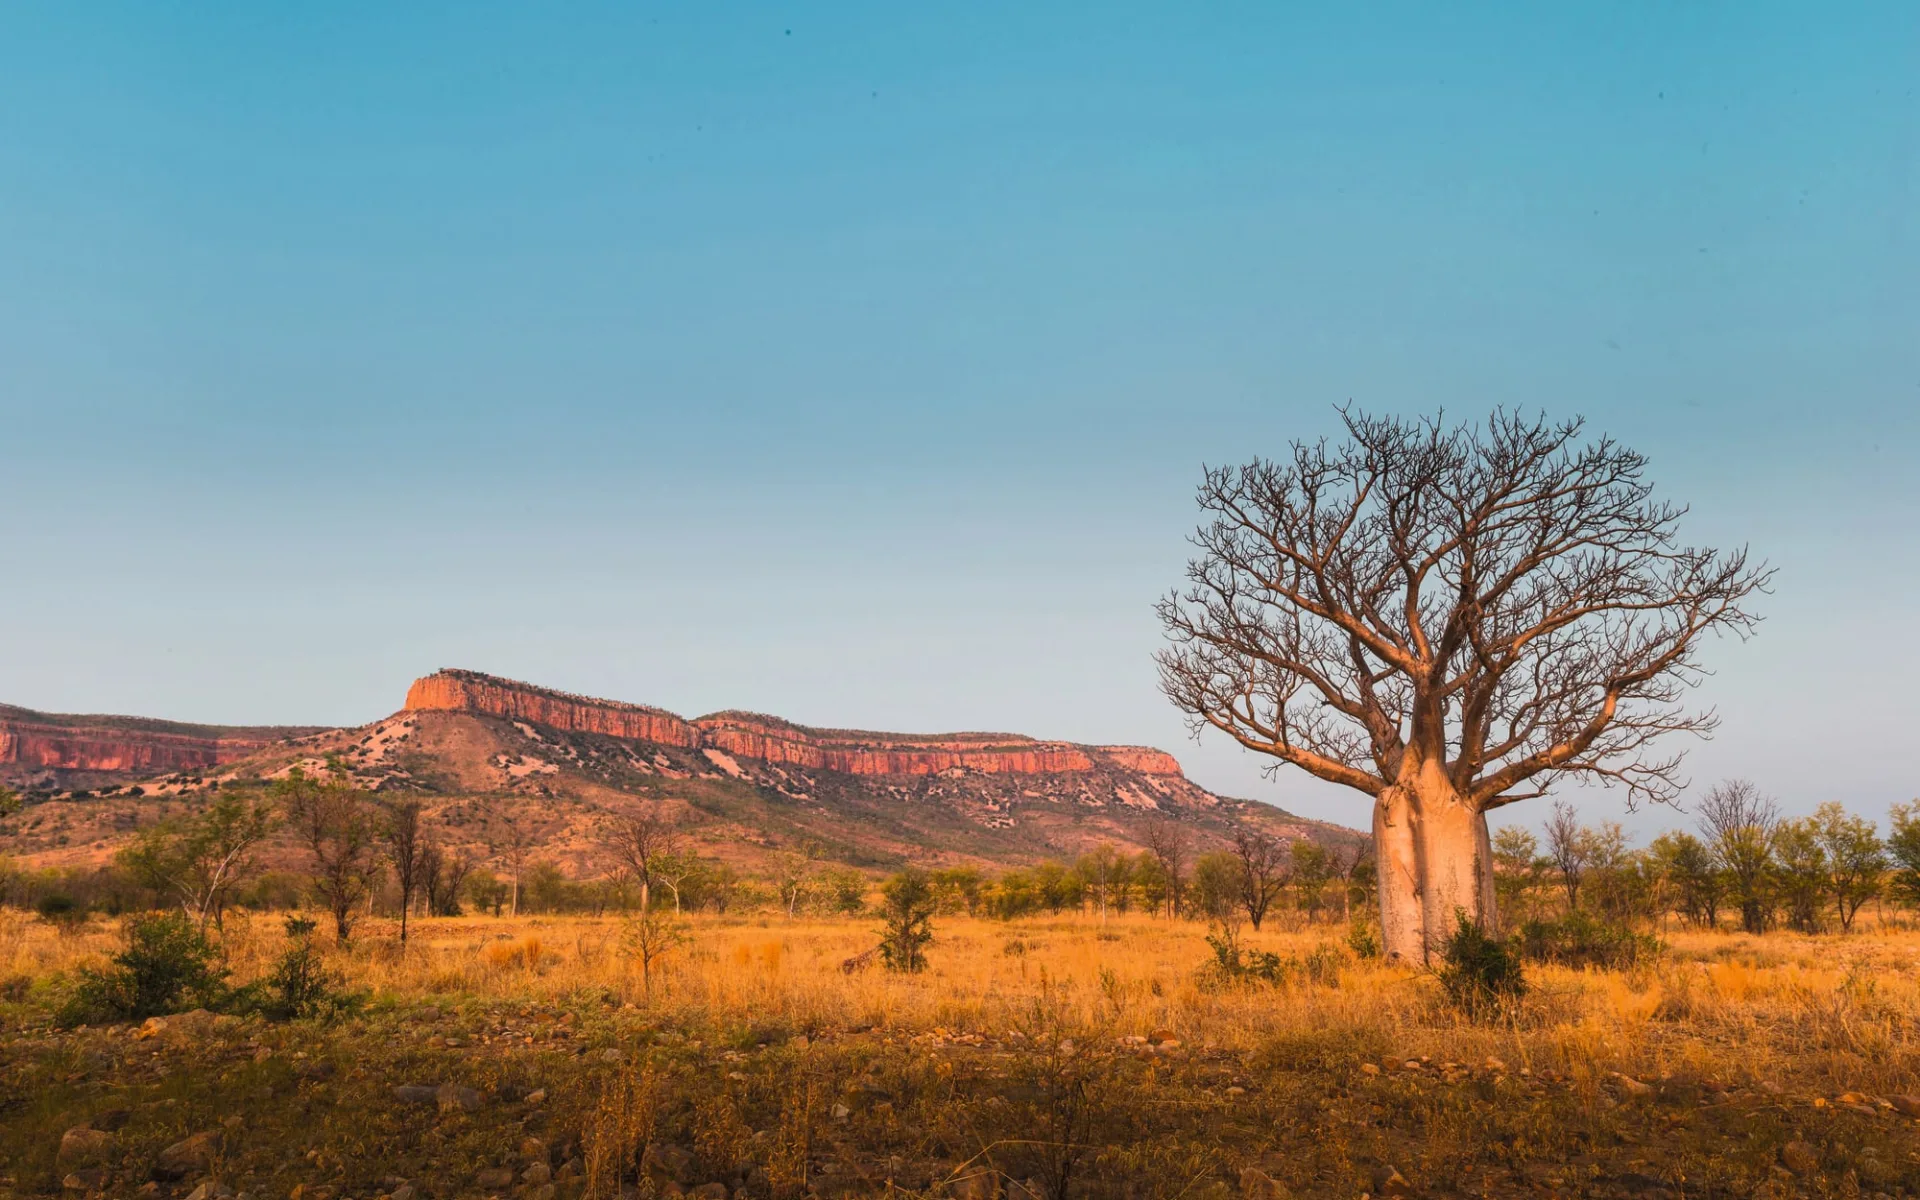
point(1435, 860)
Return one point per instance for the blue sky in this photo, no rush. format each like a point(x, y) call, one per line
point(858, 364)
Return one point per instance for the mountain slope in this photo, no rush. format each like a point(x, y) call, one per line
point(486, 755)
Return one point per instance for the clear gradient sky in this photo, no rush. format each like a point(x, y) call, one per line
point(856, 363)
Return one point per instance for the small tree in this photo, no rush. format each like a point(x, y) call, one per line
point(1167, 843)
point(332, 822)
point(1903, 847)
point(649, 938)
point(444, 876)
point(1856, 859)
point(513, 847)
point(1569, 848)
point(1518, 868)
point(639, 844)
point(1737, 822)
point(907, 912)
point(794, 879)
point(1800, 874)
point(1107, 874)
point(1216, 885)
point(407, 849)
point(202, 860)
point(1311, 871)
point(1694, 882)
point(1265, 866)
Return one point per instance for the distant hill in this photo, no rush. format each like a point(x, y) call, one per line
point(483, 753)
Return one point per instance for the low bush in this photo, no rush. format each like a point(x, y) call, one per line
point(1581, 940)
point(166, 966)
point(1481, 975)
point(301, 985)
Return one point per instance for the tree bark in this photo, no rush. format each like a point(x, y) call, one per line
point(1402, 932)
point(1434, 859)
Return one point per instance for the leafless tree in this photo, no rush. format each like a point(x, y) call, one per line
point(1265, 866)
point(637, 842)
point(1449, 618)
point(1168, 843)
point(407, 846)
point(443, 877)
point(1738, 822)
point(513, 849)
point(1570, 849)
point(332, 822)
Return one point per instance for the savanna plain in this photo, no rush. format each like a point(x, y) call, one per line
point(1050, 1055)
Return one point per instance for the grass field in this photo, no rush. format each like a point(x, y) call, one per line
point(1045, 1057)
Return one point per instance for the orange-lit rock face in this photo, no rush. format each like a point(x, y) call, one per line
point(887, 756)
point(70, 748)
point(774, 741)
point(465, 692)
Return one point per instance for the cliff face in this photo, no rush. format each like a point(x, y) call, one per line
point(768, 739)
point(56, 742)
point(468, 691)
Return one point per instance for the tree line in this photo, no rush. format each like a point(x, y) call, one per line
point(1743, 865)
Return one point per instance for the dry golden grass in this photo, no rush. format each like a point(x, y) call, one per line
point(751, 1053)
point(1827, 1013)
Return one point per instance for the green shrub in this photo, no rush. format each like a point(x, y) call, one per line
point(1363, 939)
point(1582, 940)
point(907, 909)
point(1233, 964)
point(1481, 975)
point(61, 911)
point(166, 966)
point(300, 984)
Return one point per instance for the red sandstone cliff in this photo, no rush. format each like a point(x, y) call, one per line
point(468, 691)
point(59, 742)
point(769, 739)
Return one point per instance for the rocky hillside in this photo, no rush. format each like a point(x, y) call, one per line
point(63, 752)
point(489, 756)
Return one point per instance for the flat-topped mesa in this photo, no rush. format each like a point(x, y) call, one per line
point(470, 691)
point(66, 742)
point(770, 739)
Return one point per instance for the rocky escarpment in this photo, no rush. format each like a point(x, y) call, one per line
point(37, 747)
point(772, 740)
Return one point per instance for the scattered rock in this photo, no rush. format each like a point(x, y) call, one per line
point(1632, 1086)
point(1160, 1035)
point(1388, 1181)
point(494, 1177)
point(537, 1174)
point(86, 1179)
point(83, 1147)
point(980, 1185)
point(454, 1096)
point(666, 1161)
point(1906, 1106)
point(211, 1191)
point(417, 1093)
point(841, 1112)
point(315, 1071)
point(536, 1097)
point(1369, 1069)
point(187, 1157)
point(403, 1192)
point(1800, 1157)
point(111, 1120)
point(1256, 1184)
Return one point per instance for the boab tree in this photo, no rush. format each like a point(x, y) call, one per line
point(1449, 618)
